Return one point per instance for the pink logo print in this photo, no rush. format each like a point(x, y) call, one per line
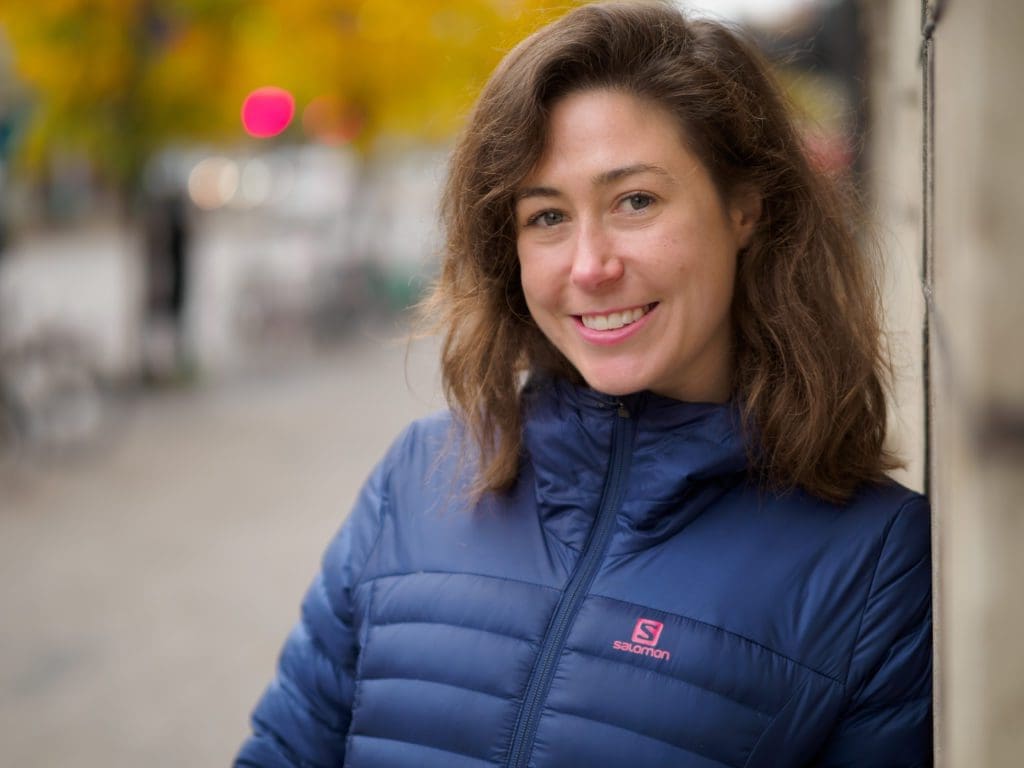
point(647, 632)
point(646, 635)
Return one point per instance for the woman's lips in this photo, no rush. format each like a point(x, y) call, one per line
point(614, 326)
point(610, 321)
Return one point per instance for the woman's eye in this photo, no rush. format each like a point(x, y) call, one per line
point(546, 219)
point(638, 201)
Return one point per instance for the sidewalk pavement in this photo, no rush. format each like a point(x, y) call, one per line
point(146, 587)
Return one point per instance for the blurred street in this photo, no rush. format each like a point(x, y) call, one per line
point(147, 583)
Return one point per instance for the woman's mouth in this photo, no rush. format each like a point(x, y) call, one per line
point(612, 321)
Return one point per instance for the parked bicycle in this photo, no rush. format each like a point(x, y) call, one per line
point(50, 397)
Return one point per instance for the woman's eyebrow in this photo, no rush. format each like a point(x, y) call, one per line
point(616, 174)
point(526, 192)
point(602, 179)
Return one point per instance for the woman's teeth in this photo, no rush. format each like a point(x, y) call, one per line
point(614, 320)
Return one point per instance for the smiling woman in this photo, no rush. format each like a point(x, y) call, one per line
point(627, 251)
point(654, 529)
point(806, 370)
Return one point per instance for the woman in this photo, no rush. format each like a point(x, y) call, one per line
point(674, 544)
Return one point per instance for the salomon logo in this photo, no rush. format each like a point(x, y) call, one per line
point(646, 634)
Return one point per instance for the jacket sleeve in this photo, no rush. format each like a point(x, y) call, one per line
point(303, 717)
point(888, 719)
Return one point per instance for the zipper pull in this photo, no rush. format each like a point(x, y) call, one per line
point(623, 410)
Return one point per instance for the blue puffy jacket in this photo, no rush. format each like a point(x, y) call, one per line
point(634, 601)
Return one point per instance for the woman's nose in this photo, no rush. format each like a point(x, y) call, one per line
point(595, 262)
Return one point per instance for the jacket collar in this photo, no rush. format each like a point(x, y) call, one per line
point(681, 451)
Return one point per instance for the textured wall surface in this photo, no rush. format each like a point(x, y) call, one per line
point(894, 162)
point(977, 399)
point(975, 414)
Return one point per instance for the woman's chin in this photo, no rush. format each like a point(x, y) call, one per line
point(614, 386)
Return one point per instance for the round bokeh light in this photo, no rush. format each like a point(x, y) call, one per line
point(267, 111)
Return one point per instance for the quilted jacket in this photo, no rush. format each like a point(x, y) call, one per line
point(635, 600)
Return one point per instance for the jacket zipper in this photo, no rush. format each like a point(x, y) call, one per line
point(575, 592)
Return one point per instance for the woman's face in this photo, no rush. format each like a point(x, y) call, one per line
point(627, 252)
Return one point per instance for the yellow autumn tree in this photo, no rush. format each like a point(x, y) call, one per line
point(79, 57)
point(117, 79)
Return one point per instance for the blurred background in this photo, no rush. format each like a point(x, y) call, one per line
point(214, 218)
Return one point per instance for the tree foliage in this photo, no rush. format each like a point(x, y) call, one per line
point(117, 79)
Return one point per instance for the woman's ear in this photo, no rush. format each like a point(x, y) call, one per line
point(745, 213)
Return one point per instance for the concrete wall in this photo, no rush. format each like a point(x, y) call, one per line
point(978, 372)
point(894, 161)
point(976, 398)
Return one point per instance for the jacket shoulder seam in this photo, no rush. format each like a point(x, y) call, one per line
point(871, 584)
point(385, 507)
point(314, 637)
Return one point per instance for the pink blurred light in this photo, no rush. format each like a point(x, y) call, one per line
point(267, 111)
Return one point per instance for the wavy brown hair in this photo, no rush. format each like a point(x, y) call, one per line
point(809, 368)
